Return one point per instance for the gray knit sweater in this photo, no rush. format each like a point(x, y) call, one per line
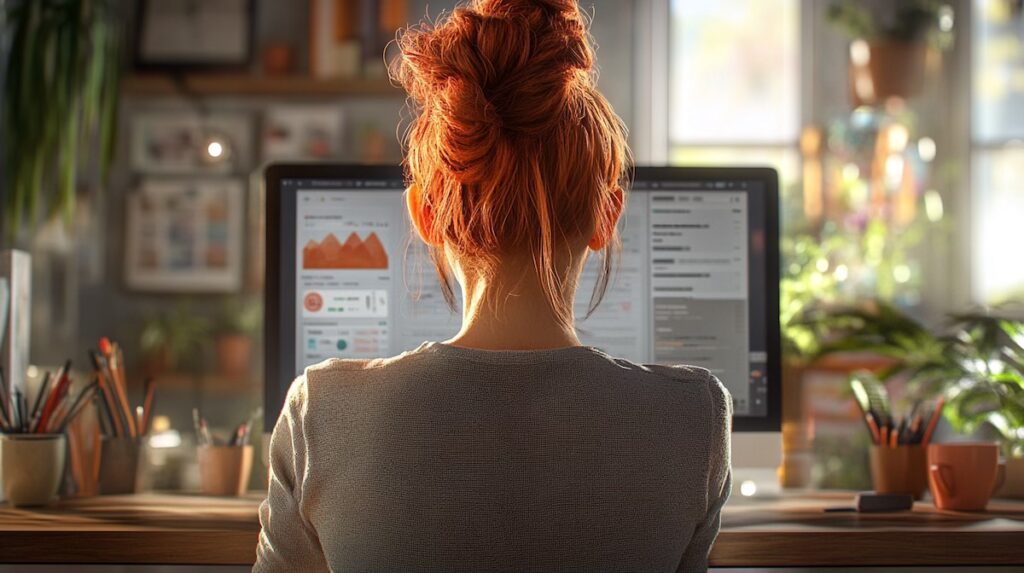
point(453, 459)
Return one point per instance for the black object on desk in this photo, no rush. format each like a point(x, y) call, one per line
point(876, 503)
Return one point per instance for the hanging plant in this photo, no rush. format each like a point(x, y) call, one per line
point(60, 98)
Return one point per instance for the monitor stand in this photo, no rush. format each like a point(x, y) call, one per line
point(756, 457)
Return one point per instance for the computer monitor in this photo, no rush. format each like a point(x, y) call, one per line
point(697, 279)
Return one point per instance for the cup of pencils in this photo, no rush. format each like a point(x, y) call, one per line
point(899, 444)
point(224, 465)
point(123, 427)
point(32, 467)
point(33, 447)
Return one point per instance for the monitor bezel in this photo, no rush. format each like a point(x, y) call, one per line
point(275, 368)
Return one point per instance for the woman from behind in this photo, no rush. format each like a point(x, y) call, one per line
point(511, 446)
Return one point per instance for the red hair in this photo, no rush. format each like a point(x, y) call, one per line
point(513, 149)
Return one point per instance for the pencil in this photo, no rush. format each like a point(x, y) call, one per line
point(74, 411)
point(39, 395)
point(21, 425)
point(147, 405)
point(934, 421)
point(108, 393)
point(110, 351)
point(5, 397)
point(873, 428)
point(76, 404)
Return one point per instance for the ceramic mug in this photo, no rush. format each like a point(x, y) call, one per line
point(32, 467)
point(963, 476)
point(224, 470)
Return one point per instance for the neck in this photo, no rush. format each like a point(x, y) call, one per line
point(509, 311)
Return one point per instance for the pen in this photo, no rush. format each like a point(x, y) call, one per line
point(197, 425)
point(39, 396)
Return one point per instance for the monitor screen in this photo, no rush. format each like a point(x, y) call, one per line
point(696, 281)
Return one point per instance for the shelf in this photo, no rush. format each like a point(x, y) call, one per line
point(251, 85)
point(211, 383)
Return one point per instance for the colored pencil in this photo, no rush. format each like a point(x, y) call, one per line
point(933, 421)
point(147, 405)
point(108, 393)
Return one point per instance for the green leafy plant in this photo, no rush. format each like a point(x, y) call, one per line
point(976, 362)
point(241, 317)
point(174, 336)
point(897, 20)
point(60, 96)
point(989, 351)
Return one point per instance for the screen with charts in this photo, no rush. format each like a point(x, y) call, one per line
point(691, 285)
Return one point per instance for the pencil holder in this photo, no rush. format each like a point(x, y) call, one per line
point(902, 469)
point(85, 448)
point(32, 467)
point(119, 466)
point(224, 470)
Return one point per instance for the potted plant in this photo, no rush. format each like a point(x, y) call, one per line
point(239, 324)
point(976, 363)
point(59, 101)
point(989, 394)
point(890, 43)
point(171, 340)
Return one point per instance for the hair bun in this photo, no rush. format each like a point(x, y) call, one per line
point(500, 64)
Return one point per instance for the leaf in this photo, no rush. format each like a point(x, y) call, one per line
point(62, 79)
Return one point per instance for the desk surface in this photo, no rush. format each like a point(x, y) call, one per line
point(181, 529)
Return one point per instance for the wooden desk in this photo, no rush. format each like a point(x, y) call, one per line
point(180, 529)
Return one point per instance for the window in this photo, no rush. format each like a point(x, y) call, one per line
point(734, 84)
point(997, 119)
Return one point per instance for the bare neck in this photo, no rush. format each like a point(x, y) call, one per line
point(510, 312)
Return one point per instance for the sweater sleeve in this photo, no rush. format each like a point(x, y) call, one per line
point(719, 481)
point(288, 541)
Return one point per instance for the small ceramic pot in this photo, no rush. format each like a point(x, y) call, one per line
point(119, 466)
point(32, 467)
point(902, 469)
point(224, 470)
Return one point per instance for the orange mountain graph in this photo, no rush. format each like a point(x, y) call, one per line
point(355, 253)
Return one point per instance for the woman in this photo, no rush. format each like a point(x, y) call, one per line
point(510, 446)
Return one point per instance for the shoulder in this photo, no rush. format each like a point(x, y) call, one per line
point(323, 380)
point(702, 382)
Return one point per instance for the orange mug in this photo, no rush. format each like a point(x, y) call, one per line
point(962, 476)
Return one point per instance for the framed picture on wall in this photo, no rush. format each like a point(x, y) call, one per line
point(194, 34)
point(185, 235)
point(176, 142)
point(303, 132)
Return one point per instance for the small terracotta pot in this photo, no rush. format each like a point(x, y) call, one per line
point(893, 69)
point(278, 59)
point(234, 353)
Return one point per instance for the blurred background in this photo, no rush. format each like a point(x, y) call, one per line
point(897, 128)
